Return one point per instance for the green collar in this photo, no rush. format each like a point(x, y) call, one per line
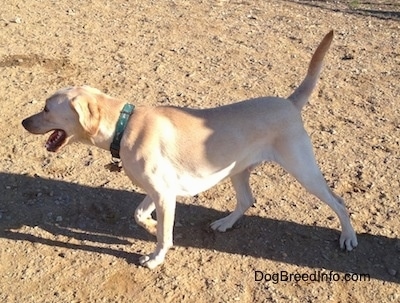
point(126, 112)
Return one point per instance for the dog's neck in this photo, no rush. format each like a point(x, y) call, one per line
point(107, 126)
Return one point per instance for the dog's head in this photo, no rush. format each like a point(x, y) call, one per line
point(72, 114)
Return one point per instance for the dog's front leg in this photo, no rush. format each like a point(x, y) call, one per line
point(165, 210)
point(143, 215)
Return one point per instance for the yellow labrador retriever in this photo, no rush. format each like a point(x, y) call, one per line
point(170, 151)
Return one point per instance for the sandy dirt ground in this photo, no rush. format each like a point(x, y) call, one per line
point(66, 227)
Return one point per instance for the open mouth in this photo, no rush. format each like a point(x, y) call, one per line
point(56, 140)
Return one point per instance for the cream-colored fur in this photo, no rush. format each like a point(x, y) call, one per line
point(171, 151)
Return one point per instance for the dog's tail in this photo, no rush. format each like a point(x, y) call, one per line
point(302, 93)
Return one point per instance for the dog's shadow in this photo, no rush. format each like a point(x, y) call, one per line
point(104, 216)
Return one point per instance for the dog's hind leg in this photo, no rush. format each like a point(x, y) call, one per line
point(297, 158)
point(244, 199)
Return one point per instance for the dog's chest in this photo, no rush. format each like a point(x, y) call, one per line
point(190, 185)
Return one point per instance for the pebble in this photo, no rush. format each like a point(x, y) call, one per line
point(16, 20)
point(394, 297)
point(392, 271)
point(31, 202)
point(59, 218)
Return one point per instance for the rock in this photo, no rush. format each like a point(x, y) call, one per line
point(348, 56)
point(16, 20)
point(392, 271)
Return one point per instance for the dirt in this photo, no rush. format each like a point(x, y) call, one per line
point(66, 227)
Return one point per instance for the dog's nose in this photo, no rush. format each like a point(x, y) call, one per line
point(25, 123)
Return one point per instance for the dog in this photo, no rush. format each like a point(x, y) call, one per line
point(170, 151)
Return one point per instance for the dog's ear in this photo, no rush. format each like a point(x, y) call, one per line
point(88, 111)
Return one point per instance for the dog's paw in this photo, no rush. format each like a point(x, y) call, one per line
point(348, 241)
point(151, 261)
point(223, 224)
